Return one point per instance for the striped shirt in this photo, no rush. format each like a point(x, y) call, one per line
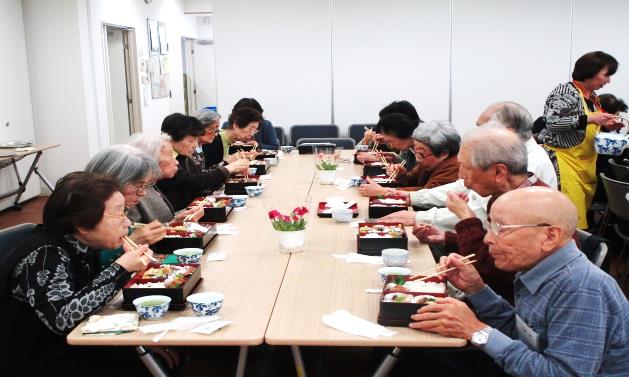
point(577, 312)
point(565, 118)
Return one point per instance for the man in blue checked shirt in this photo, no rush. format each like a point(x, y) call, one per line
point(570, 318)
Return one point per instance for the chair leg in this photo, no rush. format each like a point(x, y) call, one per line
point(242, 361)
point(388, 363)
point(150, 362)
point(299, 362)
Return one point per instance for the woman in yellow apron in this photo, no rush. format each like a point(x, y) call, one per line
point(573, 116)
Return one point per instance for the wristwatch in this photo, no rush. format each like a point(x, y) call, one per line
point(480, 337)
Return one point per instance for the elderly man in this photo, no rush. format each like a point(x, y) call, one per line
point(515, 118)
point(492, 162)
point(570, 318)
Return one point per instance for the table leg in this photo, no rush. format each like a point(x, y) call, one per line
point(150, 362)
point(388, 363)
point(242, 361)
point(16, 202)
point(299, 362)
point(44, 179)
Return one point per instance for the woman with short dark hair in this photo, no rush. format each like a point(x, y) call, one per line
point(266, 138)
point(242, 126)
point(52, 280)
point(573, 115)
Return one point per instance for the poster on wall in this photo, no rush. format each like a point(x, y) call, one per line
point(163, 43)
point(157, 64)
point(153, 36)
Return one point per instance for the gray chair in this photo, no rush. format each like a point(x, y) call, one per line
point(619, 172)
point(10, 237)
point(344, 142)
point(357, 131)
point(618, 205)
point(279, 132)
point(299, 131)
point(596, 256)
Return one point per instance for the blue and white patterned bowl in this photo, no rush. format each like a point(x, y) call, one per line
point(152, 307)
point(395, 257)
point(254, 191)
point(609, 143)
point(287, 148)
point(206, 303)
point(190, 255)
point(238, 201)
point(398, 271)
point(253, 171)
point(362, 148)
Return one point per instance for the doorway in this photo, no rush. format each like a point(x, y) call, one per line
point(122, 83)
point(199, 72)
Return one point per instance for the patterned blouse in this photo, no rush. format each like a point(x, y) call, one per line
point(64, 286)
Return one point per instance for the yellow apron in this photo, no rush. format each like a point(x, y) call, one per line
point(577, 168)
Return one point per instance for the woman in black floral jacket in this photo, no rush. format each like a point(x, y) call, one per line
point(53, 280)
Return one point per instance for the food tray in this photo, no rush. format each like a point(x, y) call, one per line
point(321, 212)
point(382, 180)
point(176, 239)
point(399, 313)
point(236, 186)
point(213, 214)
point(374, 246)
point(378, 208)
point(374, 168)
point(237, 148)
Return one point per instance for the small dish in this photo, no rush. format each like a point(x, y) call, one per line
point(287, 148)
point(253, 171)
point(238, 201)
point(152, 307)
point(190, 255)
point(271, 160)
point(254, 191)
point(397, 271)
point(342, 215)
point(362, 148)
point(395, 257)
point(206, 303)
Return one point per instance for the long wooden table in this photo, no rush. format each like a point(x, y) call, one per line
point(280, 298)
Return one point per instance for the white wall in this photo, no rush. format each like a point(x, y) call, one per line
point(118, 86)
point(16, 115)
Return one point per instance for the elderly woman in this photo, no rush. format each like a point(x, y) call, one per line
point(265, 138)
point(154, 206)
point(135, 172)
point(435, 145)
point(573, 115)
point(205, 155)
point(190, 182)
point(52, 281)
point(242, 126)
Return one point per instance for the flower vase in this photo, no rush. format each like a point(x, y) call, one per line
point(292, 241)
point(327, 177)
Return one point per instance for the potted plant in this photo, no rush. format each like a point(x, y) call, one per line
point(290, 229)
point(327, 165)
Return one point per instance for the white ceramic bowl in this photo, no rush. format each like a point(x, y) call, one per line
point(188, 255)
point(271, 160)
point(386, 271)
point(253, 171)
point(287, 148)
point(610, 143)
point(152, 307)
point(206, 303)
point(254, 191)
point(395, 257)
point(342, 215)
point(362, 148)
point(238, 201)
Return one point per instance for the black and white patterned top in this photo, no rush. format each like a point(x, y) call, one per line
point(64, 285)
point(565, 117)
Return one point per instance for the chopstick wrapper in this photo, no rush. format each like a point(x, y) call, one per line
point(349, 323)
point(359, 258)
point(209, 328)
point(180, 323)
point(111, 324)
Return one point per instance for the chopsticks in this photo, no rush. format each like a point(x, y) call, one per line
point(435, 270)
point(375, 146)
point(196, 208)
point(129, 242)
point(395, 173)
point(367, 128)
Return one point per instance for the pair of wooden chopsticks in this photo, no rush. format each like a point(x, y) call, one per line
point(195, 209)
point(435, 270)
point(395, 173)
point(367, 128)
point(129, 242)
point(375, 146)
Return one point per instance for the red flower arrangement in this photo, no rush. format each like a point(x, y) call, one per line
point(292, 222)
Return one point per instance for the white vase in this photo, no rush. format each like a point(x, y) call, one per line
point(327, 177)
point(292, 241)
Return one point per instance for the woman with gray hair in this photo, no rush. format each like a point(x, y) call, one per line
point(435, 145)
point(207, 155)
point(154, 206)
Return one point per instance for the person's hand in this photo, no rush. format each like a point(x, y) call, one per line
point(238, 166)
point(169, 355)
point(429, 234)
point(401, 170)
point(231, 158)
point(603, 119)
point(615, 126)
point(197, 213)
point(448, 317)
point(367, 157)
point(403, 217)
point(368, 137)
point(252, 142)
point(134, 260)
point(149, 233)
point(465, 277)
point(371, 188)
point(457, 204)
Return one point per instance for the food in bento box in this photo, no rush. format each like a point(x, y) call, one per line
point(241, 180)
point(149, 284)
point(408, 298)
point(381, 231)
point(387, 202)
point(211, 202)
point(165, 271)
point(416, 287)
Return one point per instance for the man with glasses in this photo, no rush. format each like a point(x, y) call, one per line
point(492, 161)
point(569, 318)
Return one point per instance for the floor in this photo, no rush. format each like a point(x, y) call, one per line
point(263, 360)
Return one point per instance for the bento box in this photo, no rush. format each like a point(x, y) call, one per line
point(239, 148)
point(236, 186)
point(380, 206)
point(215, 210)
point(326, 211)
point(261, 166)
point(265, 154)
point(373, 237)
point(177, 237)
point(402, 298)
point(176, 281)
point(382, 179)
point(374, 168)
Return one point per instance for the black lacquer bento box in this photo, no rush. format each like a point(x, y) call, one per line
point(382, 179)
point(324, 211)
point(236, 186)
point(239, 148)
point(216, 212)
point(400, 300)
point(265, 154)
point(180, 238)
point(374, 168)
point(380, 206)
point(262, 167)
point(179, 280)
point(373, 237)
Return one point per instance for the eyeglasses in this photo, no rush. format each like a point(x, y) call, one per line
point(122, 216)
point(496, 228)
point(423, 155)
point(139, 188)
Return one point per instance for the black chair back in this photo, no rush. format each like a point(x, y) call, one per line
point(617, 196)
point(344, 142)
point(299, 131)
point(10, 237)
point(357, 131)
point(279, 131)
point(619, 172)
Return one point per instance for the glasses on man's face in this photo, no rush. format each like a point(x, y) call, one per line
point(496, 228)
point(139, 189)
point(422, 155)
point(122, 216)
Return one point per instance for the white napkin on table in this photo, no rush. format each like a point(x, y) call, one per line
point(344, 321)
point(179, 323)
point(211, 327)
point(217, 255)
point(343, 184)
point(114, 323)
point(359, 258)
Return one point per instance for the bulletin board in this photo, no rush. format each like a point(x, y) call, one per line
point(158, 60)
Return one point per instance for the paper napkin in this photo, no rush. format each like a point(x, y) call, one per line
point(111, 324)
point(215, 256)
point(344, 321)
point(359, 258)
point(211, 327)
